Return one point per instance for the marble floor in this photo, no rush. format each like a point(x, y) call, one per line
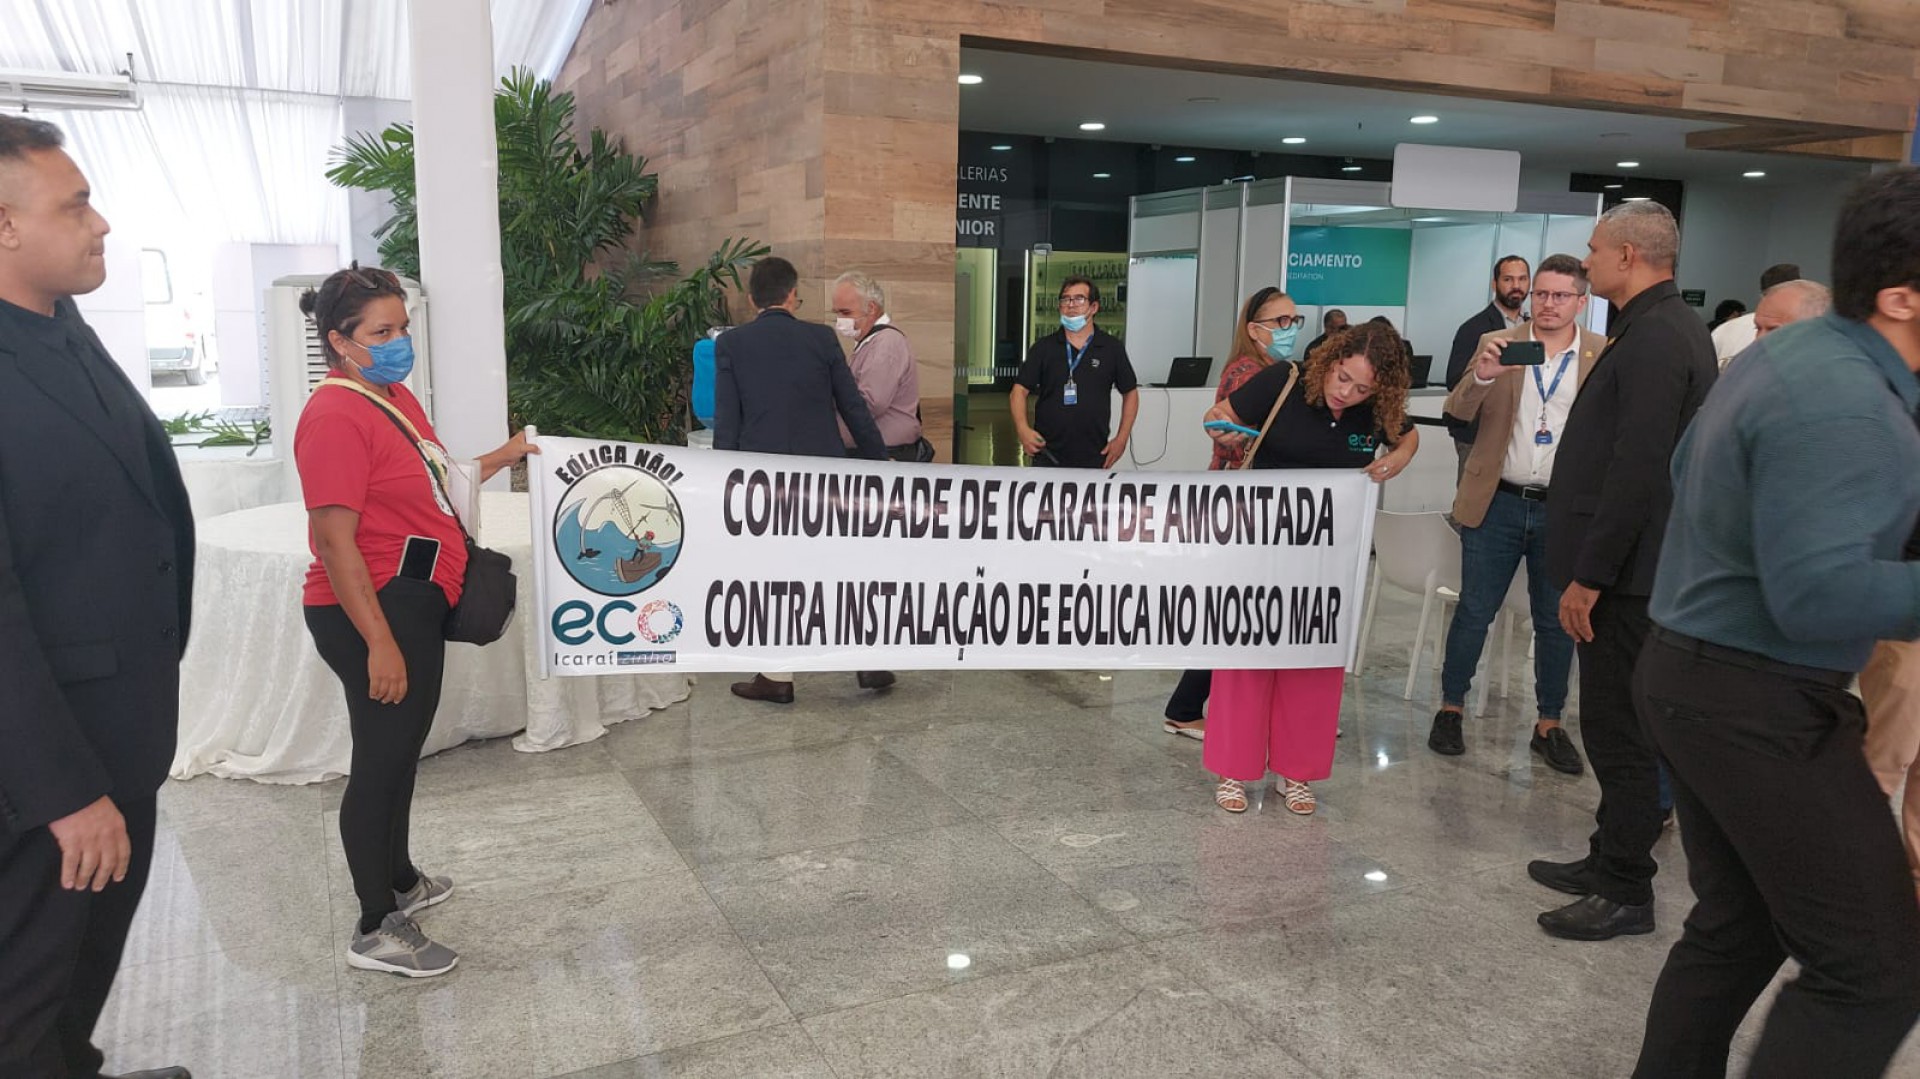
point(978, 874)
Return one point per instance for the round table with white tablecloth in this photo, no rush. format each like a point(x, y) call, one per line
point(256, 702)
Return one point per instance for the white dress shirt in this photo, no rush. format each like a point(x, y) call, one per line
point(1528, 463)
point(1732, 337)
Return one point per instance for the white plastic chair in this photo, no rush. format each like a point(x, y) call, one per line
point(1417, 552)
point(1420, 552)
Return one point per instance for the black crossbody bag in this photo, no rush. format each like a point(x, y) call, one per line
point(489, 591)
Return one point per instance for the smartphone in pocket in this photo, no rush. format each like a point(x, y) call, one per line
point(420, 558)
point(1523, 354)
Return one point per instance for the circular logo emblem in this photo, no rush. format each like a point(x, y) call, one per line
point(660, 622)
point(618, 532)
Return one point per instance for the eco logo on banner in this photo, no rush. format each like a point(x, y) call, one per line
point(1359, 267)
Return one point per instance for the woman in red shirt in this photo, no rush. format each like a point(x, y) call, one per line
point(1269, 325)
point(389, 560)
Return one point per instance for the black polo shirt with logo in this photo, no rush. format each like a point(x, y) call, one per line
point(1305, 435)
point(1076, 434)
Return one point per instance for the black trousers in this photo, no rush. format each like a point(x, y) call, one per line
point(1189, 700)
point(1620, 852)
point(60, 950)
point(377, 808)
point(1791, 851)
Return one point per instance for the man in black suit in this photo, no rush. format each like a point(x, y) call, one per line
point(777, 385)
point(96, 579)
point(1606, 514)
point(1512, 277)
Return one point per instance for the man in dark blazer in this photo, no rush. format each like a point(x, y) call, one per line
point(777, 381)
point(96, 579)
point(777, 386)
point(1606, 514)
point(1511, 280)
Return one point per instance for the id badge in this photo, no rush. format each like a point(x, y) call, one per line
point(1070, 394)
point(1543, 437)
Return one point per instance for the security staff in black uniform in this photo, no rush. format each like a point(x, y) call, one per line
point(1073, 373)
point(96, 578)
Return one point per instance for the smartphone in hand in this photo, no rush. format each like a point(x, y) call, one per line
point(1229, 425)
point(1523, 354)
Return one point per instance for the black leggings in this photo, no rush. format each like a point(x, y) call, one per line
point(387, 738)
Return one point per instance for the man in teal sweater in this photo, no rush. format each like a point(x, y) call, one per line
point(1794, 492)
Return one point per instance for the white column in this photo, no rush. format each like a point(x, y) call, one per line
point(457, 173)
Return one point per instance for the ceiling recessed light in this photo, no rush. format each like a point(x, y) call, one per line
point(1754, 174)
point(1185, 159)
point(1001, 146)
point(1349, 168)
point(1293, 140)
point(1103, 175)
point(1093, 125)
point(1423, 120)
point(1626, 164)
point(971, 80)
point(1614, 187)
point(1636, 198)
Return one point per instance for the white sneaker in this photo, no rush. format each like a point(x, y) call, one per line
point(427, 892)
point(399, 947)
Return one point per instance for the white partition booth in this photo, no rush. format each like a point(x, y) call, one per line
point(1195, 255)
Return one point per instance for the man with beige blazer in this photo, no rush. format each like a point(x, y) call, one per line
point(1501, 505)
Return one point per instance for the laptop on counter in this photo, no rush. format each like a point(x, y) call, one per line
point(1187, 373)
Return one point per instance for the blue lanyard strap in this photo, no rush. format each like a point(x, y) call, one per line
point(1073, 361)
point(1546, 391)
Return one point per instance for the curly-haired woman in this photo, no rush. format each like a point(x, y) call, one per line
point(1349, 405)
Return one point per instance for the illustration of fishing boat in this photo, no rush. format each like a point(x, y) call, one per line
point(615, 508)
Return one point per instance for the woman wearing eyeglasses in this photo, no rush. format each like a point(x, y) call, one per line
point(389, 561)
point(1268, 328)
point(1349, 405)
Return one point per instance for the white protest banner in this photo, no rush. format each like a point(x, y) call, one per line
point(715, 561)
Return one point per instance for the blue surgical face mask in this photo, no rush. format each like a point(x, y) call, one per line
point(392, 361)
point(1281, 346)
point(1073, 323)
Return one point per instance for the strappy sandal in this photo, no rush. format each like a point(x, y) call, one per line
point(1231, 795)
point(1298, 797)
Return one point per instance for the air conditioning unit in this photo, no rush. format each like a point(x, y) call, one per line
point(66, 90)
point(296, 363)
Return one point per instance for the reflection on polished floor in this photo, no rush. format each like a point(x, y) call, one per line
point(981, 874)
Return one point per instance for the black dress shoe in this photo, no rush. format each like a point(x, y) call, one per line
point(153, 1073)
point(874, 679)
point(1597, 918)
point(1569, 877)
point(766, 689)
point(1557, 750)
point(1445, 737)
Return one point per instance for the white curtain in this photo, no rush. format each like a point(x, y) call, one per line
point(241, 98)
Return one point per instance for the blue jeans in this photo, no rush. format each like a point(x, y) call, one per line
point(1514, 528)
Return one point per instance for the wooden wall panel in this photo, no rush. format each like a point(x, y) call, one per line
point(828, 127)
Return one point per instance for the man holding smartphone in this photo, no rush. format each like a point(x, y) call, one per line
point(1518, 393)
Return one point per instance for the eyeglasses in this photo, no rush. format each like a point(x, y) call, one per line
point(1556, 298)
point(1282, 322)
point(1074, 303)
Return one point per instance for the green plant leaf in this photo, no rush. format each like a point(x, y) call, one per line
point(599, 338)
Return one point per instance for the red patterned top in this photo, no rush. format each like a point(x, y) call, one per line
point(1235, 376)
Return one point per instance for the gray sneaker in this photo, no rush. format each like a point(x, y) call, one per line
point(399, 947)
point(425, 893)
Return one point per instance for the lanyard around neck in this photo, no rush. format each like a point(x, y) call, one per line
point(1073, 361)
point(1546, 391)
